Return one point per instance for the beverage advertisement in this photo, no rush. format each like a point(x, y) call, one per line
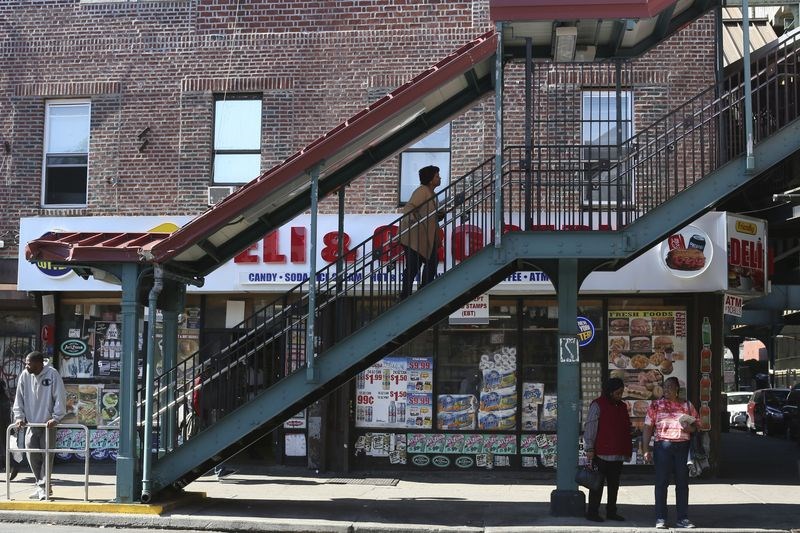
point(396, 392)
point(107, 348)
point(644, 348)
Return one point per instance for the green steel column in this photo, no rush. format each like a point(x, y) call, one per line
point(169, 340)
point(128, 478)
point(567, 500)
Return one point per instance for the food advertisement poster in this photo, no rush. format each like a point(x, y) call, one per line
point(644, 348)
point(747, 255)
point(396, 392)
point(109, 407)
point(83, 401)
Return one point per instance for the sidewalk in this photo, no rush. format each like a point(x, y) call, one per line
point(295, 499)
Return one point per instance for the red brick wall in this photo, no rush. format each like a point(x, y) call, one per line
point(158, 64)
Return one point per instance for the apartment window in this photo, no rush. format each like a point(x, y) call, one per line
point(432, 150)
point(237, 138)
point(609, 179)
point(66, 153)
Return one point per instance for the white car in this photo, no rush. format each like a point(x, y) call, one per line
point(737, 408)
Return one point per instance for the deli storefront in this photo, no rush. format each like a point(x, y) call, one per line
point(477, 390)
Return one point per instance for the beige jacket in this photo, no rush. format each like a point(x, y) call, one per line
point(418, 229)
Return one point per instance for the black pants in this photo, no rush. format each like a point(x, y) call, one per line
point(413, 263)
point(611, 471)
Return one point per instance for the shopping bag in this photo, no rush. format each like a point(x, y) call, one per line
point(13, 445)
point(588, 477)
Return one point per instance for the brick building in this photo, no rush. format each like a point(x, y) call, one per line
point(138, 108)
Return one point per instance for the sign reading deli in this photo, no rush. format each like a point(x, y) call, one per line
point(280, 259)
point(747, 255)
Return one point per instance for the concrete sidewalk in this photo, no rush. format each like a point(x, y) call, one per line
point(295, 499)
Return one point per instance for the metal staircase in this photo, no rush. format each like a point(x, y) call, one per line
point(669, 174)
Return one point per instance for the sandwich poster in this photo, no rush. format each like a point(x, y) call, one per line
point(644, 348)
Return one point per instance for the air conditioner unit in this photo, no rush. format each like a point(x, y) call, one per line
point(218, 193)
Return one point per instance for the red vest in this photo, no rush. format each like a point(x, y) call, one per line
point(613, 429)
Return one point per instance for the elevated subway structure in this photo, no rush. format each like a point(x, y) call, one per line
point(529, 203)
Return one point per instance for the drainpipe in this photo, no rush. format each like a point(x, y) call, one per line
point(312, 374)
point(147, 454)
point(498, 138)
point(748, 86)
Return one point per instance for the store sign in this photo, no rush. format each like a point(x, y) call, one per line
point(53, 271)
point(733, 305)
point(73, 348)
point(747, 255)
point(475, 312)
point(585, 331)
point(281, 258)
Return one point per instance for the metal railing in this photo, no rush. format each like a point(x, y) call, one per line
point(47, 452)
point(559, 187)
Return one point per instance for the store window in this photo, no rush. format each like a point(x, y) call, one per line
point(494, 397)
point(607, 175)
point(432, 150)
point(237, 139)
point(66, 153)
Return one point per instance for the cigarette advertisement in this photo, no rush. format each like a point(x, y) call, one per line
point(396, 392)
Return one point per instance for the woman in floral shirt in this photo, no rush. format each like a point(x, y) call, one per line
point(673, 422)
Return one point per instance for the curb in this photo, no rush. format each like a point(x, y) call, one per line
point(110, 508)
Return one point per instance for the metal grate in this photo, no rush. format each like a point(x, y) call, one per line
point(376, 481)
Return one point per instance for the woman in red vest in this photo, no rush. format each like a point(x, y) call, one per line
point(607, 441)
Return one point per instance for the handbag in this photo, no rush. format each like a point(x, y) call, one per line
point(589, 477)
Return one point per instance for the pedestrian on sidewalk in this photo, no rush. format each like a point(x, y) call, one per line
point(419, 230)
point(607, 442)
point(673, 422)
point(40, 399)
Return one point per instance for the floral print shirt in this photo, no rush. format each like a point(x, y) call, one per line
point(664, 414)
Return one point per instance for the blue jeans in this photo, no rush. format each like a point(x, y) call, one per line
point(670, 458)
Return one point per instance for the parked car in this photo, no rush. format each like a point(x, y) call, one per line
point(737, 408)
point(764, 411)
point(791, 413)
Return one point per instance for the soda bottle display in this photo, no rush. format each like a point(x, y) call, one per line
point(705, 388)
point(386, 381)
point(705, 417)
point(392, 412)
point(706, 329)
point(705, 360)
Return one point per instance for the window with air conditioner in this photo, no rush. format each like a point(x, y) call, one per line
point(66, 153)
point(434, 149)
point(237, 139)
point(608, 178)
